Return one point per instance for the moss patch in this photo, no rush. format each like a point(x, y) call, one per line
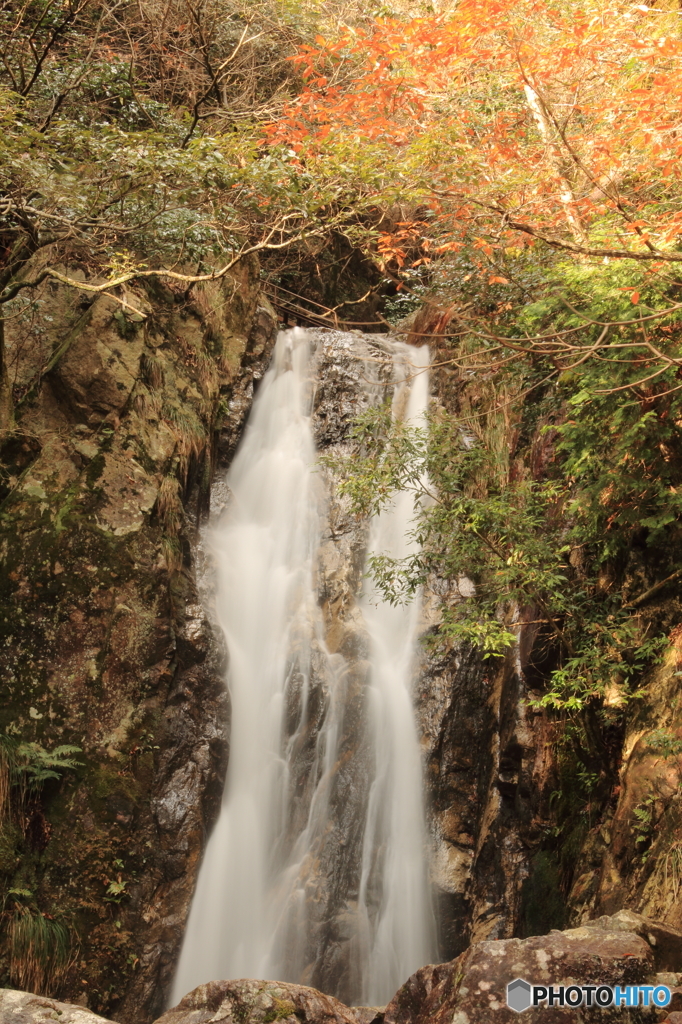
point(280, 1010)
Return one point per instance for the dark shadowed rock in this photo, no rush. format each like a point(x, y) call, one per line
point(25, 1008)
point(416, 994)
point(261, 1002)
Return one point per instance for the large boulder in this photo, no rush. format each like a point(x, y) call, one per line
point(26, 1008)
point(664, 940)
point(261, 1002)
point(623, 950)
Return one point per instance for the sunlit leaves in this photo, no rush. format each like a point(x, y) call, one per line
point(591, 148)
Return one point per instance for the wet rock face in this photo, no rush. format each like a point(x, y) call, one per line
point(260, 1002)
point(353, 372)
point(103, 641)
point(489, 774)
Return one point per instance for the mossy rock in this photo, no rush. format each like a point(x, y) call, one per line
point(542, 900)
point(280, 1010)
point(106, 784)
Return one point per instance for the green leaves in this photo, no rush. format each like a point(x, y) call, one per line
point(539, 544)
point(490, 636)
point(31, 765)
point(609, 657)
point(662, 742)
point(116, 891)
point(37, 765)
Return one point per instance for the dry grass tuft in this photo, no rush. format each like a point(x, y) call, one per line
point(152, 370)
point(147, 405)
point(41, 951)
point(169, 505)
point(207, 375)
point(190, 433)
point(172, 553)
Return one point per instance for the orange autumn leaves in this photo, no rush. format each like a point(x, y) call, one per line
point(562, 118)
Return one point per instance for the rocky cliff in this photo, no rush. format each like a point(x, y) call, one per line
point(632, 853)
point(105, 647)
point(530, 838)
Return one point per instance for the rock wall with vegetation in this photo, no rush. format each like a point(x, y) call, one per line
point(509, 171)
point(631, 856)
point(113, 745)
point(554, 794)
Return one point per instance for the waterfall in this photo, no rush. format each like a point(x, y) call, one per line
point(393, 845)
point(316, 870)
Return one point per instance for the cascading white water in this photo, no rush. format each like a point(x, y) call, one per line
point(264, 906)
point(264, 553)
point(401, 935)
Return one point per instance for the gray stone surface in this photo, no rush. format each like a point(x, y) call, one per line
point(261, 1002)
point(665, 941)
point(26, 1008)
point(473, 988)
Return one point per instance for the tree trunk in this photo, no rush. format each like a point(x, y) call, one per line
point(567, 196)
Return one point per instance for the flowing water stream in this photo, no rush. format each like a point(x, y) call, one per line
point(316, 870)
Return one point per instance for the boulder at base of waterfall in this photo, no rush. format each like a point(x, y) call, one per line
point(625, 949)
point(26, 1008)
point(262, 1002)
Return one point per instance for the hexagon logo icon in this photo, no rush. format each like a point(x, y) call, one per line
point(518, 995)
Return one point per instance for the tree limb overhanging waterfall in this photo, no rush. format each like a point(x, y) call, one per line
point(316, 871)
